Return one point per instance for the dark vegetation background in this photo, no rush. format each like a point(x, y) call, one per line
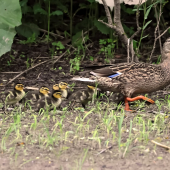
point(56, 26)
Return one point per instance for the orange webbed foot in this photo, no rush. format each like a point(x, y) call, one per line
point(138, 98)
point(127, 105)
point(128, 99)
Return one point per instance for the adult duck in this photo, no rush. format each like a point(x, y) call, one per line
point(133, 78)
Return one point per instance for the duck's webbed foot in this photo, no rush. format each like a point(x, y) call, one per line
point(128, 99)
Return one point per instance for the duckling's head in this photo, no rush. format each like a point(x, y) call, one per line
point(57, 95)
point(19, 87)
point(63, 85)
point(91, 88)
point(56, 87)
point(44, 90)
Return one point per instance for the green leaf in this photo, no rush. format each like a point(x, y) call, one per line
point(58, 44)
point(10, 16)
point(147, 24)
point(91, 1)
point(7, 34)
point(26, 30)
point(77, 39)
point(10, 12)
point(145, 36)
point(147, 13)
point(37, 9)
point(57, 12)
point(101, 27)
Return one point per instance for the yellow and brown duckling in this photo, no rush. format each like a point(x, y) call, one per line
point(16, 95)
point(50, 102)
point(84, 96)
point(36, 95)
point(61, 87)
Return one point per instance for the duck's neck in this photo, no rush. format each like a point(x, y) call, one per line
point(64, 93)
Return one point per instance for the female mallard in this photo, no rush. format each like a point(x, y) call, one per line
point(134, 78)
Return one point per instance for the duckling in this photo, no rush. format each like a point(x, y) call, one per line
point(13, 97)
point(84, 96)
point(52, 102)
point(61, 87)
point(36, 95)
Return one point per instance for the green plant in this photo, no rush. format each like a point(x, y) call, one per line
point(76, 61)
point(12, 58)
point(57, 48)
point(107, 46)
point(75, 64)
point(30, 40)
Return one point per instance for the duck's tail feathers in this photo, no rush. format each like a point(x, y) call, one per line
point(83, 79)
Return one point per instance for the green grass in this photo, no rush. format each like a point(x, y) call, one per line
point(88, 132)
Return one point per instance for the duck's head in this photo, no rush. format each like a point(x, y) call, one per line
point(44, 90)
point(19, 87)
point(63, 85)
point(56, 87)
point(57, 95)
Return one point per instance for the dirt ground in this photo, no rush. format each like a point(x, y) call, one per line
point(79, 153)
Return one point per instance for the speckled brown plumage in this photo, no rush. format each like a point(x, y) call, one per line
point(134, 78)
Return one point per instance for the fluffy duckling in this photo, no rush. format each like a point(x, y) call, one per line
point(84, 96)
point(61, 87)
point(36, 95)
point(52, 102)
point(13, 97)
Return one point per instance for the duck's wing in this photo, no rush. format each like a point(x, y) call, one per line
point(116, 70)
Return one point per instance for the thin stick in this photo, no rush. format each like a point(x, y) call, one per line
point(32, 88)
point(58, 57)
point(104, 150)
point(128, 57)
point(10, 72)
point(156, 29)
point(159, 144)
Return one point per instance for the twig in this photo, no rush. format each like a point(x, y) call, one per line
point(158, 21)
point(163, 33)
point(32, 88)
point(55, 60)
point(105, 149)
point(157, 27)
point(128, 57)
point(53, 34)
point(10, 72)
point(159, 144)
point(58, 57)
point(136, 33)
point(107, 12)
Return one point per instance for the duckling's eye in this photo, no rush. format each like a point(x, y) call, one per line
point(45, 88)
point(20, 85)
point(63, 84)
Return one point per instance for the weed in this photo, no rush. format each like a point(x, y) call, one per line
point(107, 46)
point(30, 40)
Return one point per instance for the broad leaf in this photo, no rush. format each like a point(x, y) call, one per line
point(101, 27)
point(10, 16)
